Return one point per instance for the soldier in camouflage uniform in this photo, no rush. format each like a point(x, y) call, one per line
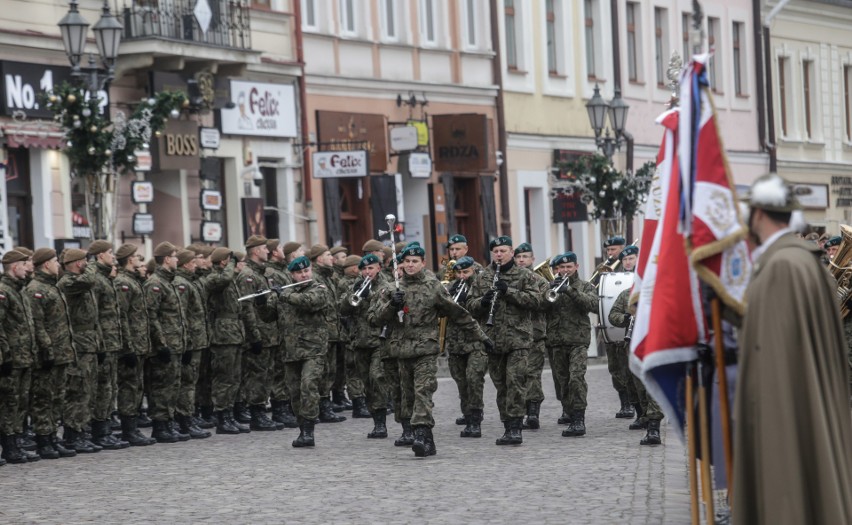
point(366, 381)
point(203, 269)
point(569, 333)
point(102, 258)
point(258, 359)
point(166, 306)
point(421, 299)
point(357, 379)
point(512, 297)
point(525, 258)
point(345, 360)
point(54, 352)
point(307, 346)
point(137, 344)
point(18, 352)
point(195, 317)
point(76, 284)
point(277, 275)
point(323, 273)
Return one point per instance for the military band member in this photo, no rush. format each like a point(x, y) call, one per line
point(569, 332)
point(277, 275)
point(832, 245)
point(509, 297)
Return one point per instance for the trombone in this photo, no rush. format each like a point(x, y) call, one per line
point(358, 296)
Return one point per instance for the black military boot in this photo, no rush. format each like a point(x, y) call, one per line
point(461, 420)
point(162, 433)
point(419, 444)
point(390, 406)
point(338, 399)
point(208, 418)
point(101, 436)
point(431, 449)
point(114, 422)
point(626, 410)
point(359, 408)
point(224, 425)
point(242, 413)
point(577, 426)
point(466, 430)
point(188, 427)
point(25, 443)
point(564, 419)
point(45, 447)
point(131, 434)
point(640, 422)
point(475, 422)
point(11, 452)
point(60, 447)
point(76, 442)
point(282, 412)
point(516, 426)
point(532, 421)
point(306, 435)
point(407, 437)
point(380, 429)
point(175, 430)
point(652, 436)
point(326, 413)
point(243, 428)
point(505, 439)
point(259, 420)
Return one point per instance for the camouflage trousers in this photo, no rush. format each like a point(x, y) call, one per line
point(254, 383)
point(224, 375)
point(620, 370)
point(203, 385)
point(14, 389)
point(79, 389)
point(392, 386)
point(556, 386)
point(46, 398)
point(508, 373)
point(535, 365)
point(106, 387)
point(847, 328)
point(278, 390)
point(185, 405)
point(651, 410)
point(330, 371)
point(304, 379)
point(468, 371)
point(418, 379)
point(569, 364)
point(362, 380)
point(163, 387)
point(377, 395)
point(344, 368)
point(130, 382)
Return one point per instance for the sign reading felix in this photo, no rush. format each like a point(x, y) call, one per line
point(333, 164)
point(265, 110)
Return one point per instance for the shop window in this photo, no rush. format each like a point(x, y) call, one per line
point(661, 43)
point(634, 42)
point(467, 213)
point(269, 194)
point(19, 202)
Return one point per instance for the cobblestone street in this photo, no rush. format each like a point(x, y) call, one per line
point(604, 477)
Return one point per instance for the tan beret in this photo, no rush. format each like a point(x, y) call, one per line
point(255, 240)
point(164, 249)
point(73, 255)
point(99, 246)
point(42, 255)
point(23, 249)
point(204, 250)
point(151, 266)
point(185, 256)
point(317, 250)
point(13, 256)
point(372, 246)
point(338, 249)
point(291, 247)
point(351, 260)
point(125, 250)
point(388, 251)
point(272, 244)
point(241, 256)
point(220, 254)
point(400, 246)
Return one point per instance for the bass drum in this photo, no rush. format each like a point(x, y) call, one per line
point(611, 284)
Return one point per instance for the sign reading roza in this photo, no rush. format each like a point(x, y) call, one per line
point(266, 110)
point(333, 164)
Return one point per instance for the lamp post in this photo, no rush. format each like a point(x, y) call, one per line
point(599, 109)
point(108, 29)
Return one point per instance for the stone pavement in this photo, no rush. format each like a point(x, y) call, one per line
point(604, 477)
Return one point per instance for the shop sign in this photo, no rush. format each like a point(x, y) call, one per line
point(340, 131)
point(403, 138)
point(461, 142)
point(210, 138)
point(417, 165)
point(334, 164)
point(143, 224)
point(143, 160)
point(24, 82)
point(569, 208)
point(142, 192)
point(177, 147)
point(211, 200)
point(422, 128)
point(211, 231)
point(841, 187)
point(260, 109)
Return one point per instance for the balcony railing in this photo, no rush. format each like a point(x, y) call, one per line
point(177, 20)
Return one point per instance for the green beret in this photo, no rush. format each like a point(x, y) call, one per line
point(299, 263)
point(833, 241)
point(524, 247)
point(455, 239)
point(255, 240)
point(503, 240)
point(42, 255)
point(628, 250)
point(618, 240)
point(464, 263)
point(567, 257)
point(368, 260)
point(413, 250)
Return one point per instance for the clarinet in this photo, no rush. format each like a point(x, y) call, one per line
point(628, 334)
point(490, 321)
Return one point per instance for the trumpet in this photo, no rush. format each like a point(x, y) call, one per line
point(553, 293)
point(358, 296)
point(490, 321)
point(270, 290)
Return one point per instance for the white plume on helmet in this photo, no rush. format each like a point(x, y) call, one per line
point(769, 191)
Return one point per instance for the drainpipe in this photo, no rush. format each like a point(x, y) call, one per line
point(505, 219)
point(303, 117)
point(616, 79)
point(771, 145)
point(759, 72)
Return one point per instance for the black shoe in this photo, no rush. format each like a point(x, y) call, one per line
point(114, 422)
point(516, 436)
point(282, 412)
point(200, 422)
point(359, 408)
point(407, 437)
point(532, 421)
point(306, 435)
point(187, 427)
point(461, 420)
point(424, 442)
point(473, 429)
point(74, 440)
point(45, 447)
point(60, 447)
point(102, 436)
point(208, 419)
point(174, 429)
point(162, 433)
point(26, 443)
point(380, 429)
point(224, 425)
point(259, 419)
point(577, 426)
point(338, 398)
point(505, 438)
point(243, 428)
point(143, 421)
point(326, 414)
point(131, 434)
point(11, 452)
point(564, 419)
point(652, 437)
point(241, 413)
point(626, 410)
point(640, 423)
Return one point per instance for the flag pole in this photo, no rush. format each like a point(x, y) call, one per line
point(690, 441)
point(724, 403)
point(704, 424)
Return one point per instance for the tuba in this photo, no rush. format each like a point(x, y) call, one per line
point(446, 279)
point(544, 270)
point(841, 268)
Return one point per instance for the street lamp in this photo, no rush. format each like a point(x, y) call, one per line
point(616, 110)
point(108, 29)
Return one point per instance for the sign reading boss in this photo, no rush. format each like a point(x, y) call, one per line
point(332, 164)
point(177, 148)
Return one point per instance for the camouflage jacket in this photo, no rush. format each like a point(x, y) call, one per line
point(228, 326)
point(540, 315)
point(345, 284)
point(619, 315)
point(363, 334)
point(513, 311)
point(83, 309)
point(17, 323)
point(277, 275)
point(195, 314)
point(166, 306)
point(568, 322)
point(426, 299)
point(457, 340)
point(251, 280)
point(308, 332)
point(134, 313)
point(109, 317)
point(325, 276)
point(51, 322)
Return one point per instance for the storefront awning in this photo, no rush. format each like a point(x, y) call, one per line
point(39, 134)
